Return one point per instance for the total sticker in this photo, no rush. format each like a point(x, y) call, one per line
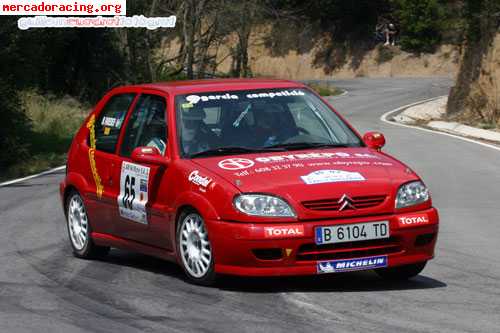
point(285, 231)
point(133, 198)
point(413, 220)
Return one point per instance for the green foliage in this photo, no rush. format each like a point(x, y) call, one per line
point(14, 127)
point(324, 88)
point(54, 121)
point(385, 53)
point(420, 23)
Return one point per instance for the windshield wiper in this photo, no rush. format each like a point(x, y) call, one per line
point(308, 145)
point(232, 150)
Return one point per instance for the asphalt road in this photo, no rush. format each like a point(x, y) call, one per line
point(44, 289)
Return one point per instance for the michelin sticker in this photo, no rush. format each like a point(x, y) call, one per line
point(347, 265)
point(133, 196)
point(331, 176)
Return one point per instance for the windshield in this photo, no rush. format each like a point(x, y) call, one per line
point(235, 122)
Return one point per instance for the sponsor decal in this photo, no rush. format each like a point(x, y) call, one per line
point(236, 163)
point(413, 220)
point(347, 265)
point(109, 121)
point(195, 178)
point(133, 196)
point(244, 163)
point(93, 166)
point(285, 231)
point(331, 176)
point(193, 99)
point(284, 93)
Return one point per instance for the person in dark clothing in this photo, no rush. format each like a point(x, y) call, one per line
point(390, 34)
point(195, 135)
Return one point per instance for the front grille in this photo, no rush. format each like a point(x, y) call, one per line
point(347, 250)
point(334, 204)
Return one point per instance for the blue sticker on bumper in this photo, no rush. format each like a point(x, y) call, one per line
point(319, 236)
point(347, 265)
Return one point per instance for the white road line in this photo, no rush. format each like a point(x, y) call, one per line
point(386, 115)
point(14, 181)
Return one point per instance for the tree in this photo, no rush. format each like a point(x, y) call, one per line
point(420, 24)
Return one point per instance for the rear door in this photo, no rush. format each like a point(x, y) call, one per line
point(102, 142)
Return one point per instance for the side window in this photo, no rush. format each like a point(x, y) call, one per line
point(147, 126)
point(109, 123)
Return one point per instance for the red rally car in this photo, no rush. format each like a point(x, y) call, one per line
point(242, 177)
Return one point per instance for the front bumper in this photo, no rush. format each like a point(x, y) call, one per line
point(243, 249)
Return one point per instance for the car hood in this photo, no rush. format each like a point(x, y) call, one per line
point(314, 175)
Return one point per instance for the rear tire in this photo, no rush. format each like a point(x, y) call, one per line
point(194, 249)
point(401, 273)
point(79, 229)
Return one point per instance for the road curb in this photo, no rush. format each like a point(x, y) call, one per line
point(18, 180)
point(388, 115)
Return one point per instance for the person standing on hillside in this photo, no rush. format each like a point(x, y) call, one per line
point(390, 34)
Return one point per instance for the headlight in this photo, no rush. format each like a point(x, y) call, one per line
point(411, 194)
point(263, 205)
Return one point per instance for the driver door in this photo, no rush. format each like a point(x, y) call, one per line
point(138, 199)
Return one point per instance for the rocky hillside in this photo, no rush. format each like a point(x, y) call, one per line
point(476, 97)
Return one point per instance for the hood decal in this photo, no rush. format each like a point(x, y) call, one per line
point(331, 176)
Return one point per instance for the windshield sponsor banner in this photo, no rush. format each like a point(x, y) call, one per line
point(347, 265)
point(413, 220)
point(331, 176)
point(194, 99)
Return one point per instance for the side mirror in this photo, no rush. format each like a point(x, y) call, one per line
point(149, 155)
point(374, 140)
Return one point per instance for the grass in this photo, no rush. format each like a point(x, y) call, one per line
point(385, 53)
point(54, 122)
point(325, 89)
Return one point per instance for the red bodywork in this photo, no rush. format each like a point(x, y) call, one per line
point(242, 244)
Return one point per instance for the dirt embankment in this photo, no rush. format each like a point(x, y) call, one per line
point(296, 53)
point(378, 62)
point(475, 99)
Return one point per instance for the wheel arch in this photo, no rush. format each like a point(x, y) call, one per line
point(74, 183)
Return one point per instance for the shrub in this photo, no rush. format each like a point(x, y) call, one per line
point(14, 127)
point(420, 24)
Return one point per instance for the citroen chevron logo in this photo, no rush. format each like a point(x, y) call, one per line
point(345, 203)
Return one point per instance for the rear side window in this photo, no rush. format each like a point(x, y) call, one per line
point(107, 127)
point(147, 126)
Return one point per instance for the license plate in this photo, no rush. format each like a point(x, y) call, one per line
point(352, 232)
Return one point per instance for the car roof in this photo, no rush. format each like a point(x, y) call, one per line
point(208, 85)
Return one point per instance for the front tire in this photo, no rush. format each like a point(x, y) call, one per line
point(401, 273)
point(79, 230)
point(194, 249)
